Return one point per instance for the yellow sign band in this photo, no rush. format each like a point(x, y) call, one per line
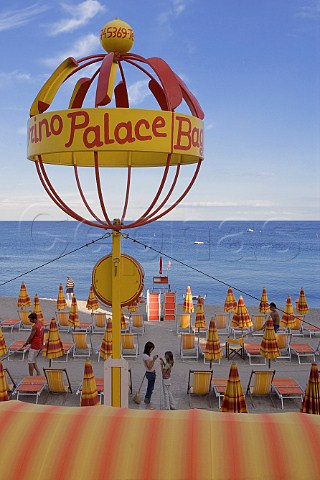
point(121, 136)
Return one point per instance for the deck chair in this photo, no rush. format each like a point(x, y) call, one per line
point(297, 328)
point(84, 327)
point(11, 384)
point(58, 381)
point(137, 324)
point(68, 349)
point(184, 323)
point(258, 321)
point(81, 346)
point(253, 352)
point(221, 321)
point(25, 323)
point(260, 383)
point(310, 330)
point(219, 386)
point(235, 346)
point(99, 322)
point(303, 350)
point(63, 321)
point(283, 341)
point(189, 346)
point(129, 345)
point(287, 388)
point(199, 384)
point(31, 386)
point(10, 324)
point(17, 348)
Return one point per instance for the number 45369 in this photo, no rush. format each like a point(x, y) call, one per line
point(114, 32)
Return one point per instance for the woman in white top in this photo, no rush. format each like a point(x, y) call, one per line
point(150, 372)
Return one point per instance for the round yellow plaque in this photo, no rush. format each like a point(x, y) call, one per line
point(132, 276)
point(117, 36)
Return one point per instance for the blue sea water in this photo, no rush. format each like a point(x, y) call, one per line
point(281, 256)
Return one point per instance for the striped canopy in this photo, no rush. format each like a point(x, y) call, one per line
point(200, 317)
point(241, 318)
point(106, 345)
point(188, 304)
point(89, 397)
point(233, 400)
point(213, 349)
point(269, 347)
point(74, 315)
point(24, 299)
point(37, 308)
point(3, 346)
point(3, 385)
point(287, 319)
point(311, 399)
point(92, 302)
point(302, 305)
point(61, 301)
point(56, 443)
point(230, 303)
point(53, 347)
point(264, 306)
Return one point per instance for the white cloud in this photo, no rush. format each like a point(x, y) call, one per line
point(78, 16)
point(138, 91)
point(15, 18)
point(175, 9)
point(311, 11)
point(82, 47)
point(248, 203)
point(14, 75)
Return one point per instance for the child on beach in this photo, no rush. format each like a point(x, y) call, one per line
point(150, 372)
point(166, 367)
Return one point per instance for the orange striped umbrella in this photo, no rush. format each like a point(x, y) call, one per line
point(200, 317)
point(311, 399)
point(74, 315)
point(188, 304)
point(269, 347)
point(89, 397)
point(230, 304)
point(53, 347)
point(233, 400)
point(24, 299)
point(92, 302)
point(302, 305)
point(61, 301)
point(123, 320)
point(264, 306)
point(288, 320)
point(106, 344)
point(37, 308)
point(241, 318)
point(3, 346)
point(213, 349)
point(3, 385)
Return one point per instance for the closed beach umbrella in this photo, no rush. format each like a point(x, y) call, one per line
point(233, 400)
point(200, 317)
point(3, 346)
point(73, 315)
point(24, 299)
point(61, 301)
point(230, 304)
point(241, 318)
point(302, 305)
point(37, 308)
point(269, 347)
point(188, 304)
point(287, 319)
point(213, 349)
point(92, 302)
point(89, 397)
point(311, 399)
point(133, 307)
point(123, 320)
point(264, 306)
point(53, 347)
point(3, 385)
point(106, 344)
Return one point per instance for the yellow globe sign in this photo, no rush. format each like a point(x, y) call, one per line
point(132, 276)
point(117, 36)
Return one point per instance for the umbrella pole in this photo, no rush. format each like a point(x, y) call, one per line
point(50, 363)
point(269, 362)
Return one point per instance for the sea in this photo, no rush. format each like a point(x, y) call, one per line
point(207, 256)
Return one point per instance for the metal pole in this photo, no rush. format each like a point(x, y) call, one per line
point(116, 316)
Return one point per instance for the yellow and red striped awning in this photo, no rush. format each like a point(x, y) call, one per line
point(56, 443)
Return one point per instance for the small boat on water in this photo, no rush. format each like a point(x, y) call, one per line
point(250, 230)
point(198, 243)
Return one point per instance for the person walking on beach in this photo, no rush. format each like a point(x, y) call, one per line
point(69, 288)
point(35, 340)
point(150, 372)
point(275, 316)
point(166, 367)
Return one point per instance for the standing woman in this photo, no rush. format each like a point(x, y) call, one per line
point(150, 372)
point(69, 288)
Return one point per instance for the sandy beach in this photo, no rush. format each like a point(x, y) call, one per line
point(163, 334)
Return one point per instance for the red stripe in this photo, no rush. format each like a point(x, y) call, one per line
point(192, 453)
point(275, 447)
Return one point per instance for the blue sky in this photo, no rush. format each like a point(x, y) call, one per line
point(253, 65)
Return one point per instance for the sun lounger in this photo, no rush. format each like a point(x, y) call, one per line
point(199, 384)
point(18, 347)
point(310, 330)
point(68, 349)
point(253, 352)
point(287, 388)
point(10, 324)
point(219, 386)
point(303, 350)
point(31, 386)
point(259, 384)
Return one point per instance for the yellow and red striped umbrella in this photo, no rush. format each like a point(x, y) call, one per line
point(269, 347)
point(302, 305)
point(213, 349)
point(3, 385)
point(288, 320)
point(74, 315)
point(24, 299)
point(233, 400)
point(123, 321)
point(3, 346)
point(106, 344)
point(92, 302)
point(53, 347)
point(230, 304)
point(37, 308)
point(264, 306)
point(200, 317)
point(241, 318)
point(61, 301)
point(311, 399)
point(89, 396)
point(188, 306)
